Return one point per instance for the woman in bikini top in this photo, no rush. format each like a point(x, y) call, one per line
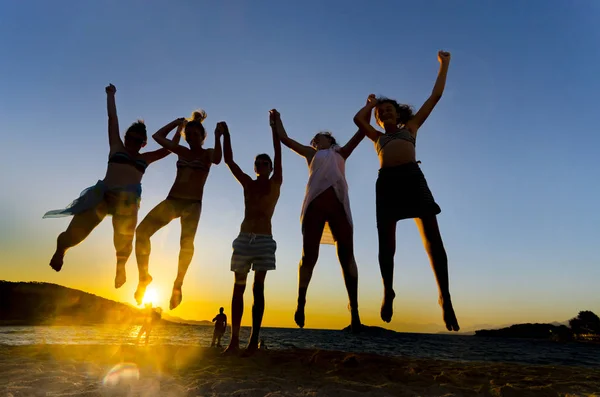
point(118, 194)
point(184, 200)
point(402, 191)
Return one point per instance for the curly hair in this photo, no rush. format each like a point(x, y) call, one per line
point(325, 134)
point(198, 116)
point(138, 128)
point(403, 112)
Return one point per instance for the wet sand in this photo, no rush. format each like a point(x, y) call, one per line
point(104, 370)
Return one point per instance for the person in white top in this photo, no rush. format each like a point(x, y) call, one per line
point(326, 216)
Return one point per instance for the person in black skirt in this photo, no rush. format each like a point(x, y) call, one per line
point(402, 191)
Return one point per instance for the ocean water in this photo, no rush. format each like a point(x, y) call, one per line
point(445, 347)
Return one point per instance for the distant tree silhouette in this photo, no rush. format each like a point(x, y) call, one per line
point(586, 322)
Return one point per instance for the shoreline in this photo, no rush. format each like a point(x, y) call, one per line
point(187, 370)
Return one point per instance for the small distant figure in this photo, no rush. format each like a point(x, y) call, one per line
point(220, 321)
point(151, 316)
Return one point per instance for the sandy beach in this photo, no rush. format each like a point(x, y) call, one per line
point(102, 370)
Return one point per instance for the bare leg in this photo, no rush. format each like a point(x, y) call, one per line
point(124, 229)
point(80, 227)
point(387, 250)
point(312, 231)
point(157, 218)
point(432, 240)
point(212, 344)
point(237, 311)
point(189, 225)
point(140, 333)
point(258, 309)
point(342, 232)
point(148, 330)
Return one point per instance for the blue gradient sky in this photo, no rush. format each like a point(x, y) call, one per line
point(510, 152)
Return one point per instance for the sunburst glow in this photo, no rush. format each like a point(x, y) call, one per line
point(151, 296)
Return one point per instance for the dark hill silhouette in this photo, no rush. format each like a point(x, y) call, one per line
point(530, 331)
point(584, 327)
point(178, 320)
point(36, 303)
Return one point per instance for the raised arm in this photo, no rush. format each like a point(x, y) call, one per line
point(362, 119)
point(228, 154)
point(217, 153)
point(438, 89)
point(161, 153)
point(304, 151)
point(114, 137)
point(171, 145)
point(277, 166)
point(349, 147)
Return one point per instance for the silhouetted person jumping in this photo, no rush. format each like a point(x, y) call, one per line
point(254, 248)
point(402, 191)
point(220, 321)
point(184, 200)
point(326, 216)
point(118, 194)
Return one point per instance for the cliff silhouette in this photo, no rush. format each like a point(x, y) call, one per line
point(36, 303)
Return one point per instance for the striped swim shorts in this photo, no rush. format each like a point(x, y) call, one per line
point(253, 251)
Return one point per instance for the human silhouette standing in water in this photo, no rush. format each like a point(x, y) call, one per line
point(254, 248)
point(118, 194)
point(220, 321)
point(184, 200)
point(326, 216)
point(402, 191)
point(151, 316)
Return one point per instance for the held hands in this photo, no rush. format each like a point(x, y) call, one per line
point(274, 117)
point(221, 129)
point(110, 89)
point(444, 57)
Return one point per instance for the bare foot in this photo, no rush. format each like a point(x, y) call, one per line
point(120, 277)
point(232, 349)
point(141, 288)
point(448, 314)
point(250, 349)
point(176, 297)
point(56, 262)
point(387, 306)
point(299, 316)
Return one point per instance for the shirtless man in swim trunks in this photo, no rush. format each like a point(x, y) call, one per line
point(254, 248)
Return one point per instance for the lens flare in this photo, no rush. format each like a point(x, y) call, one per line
point(121, 373)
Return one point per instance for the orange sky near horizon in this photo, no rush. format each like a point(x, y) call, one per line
point(415, 310)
